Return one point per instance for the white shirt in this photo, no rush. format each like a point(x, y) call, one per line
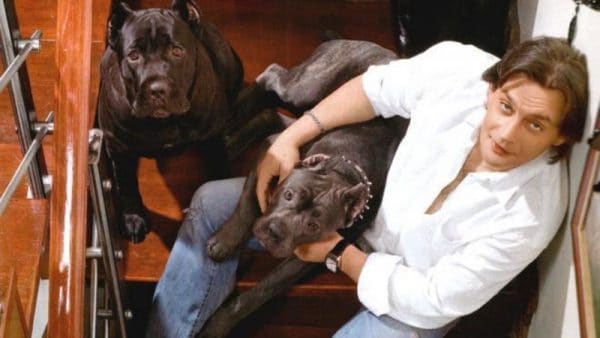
point(429, 269)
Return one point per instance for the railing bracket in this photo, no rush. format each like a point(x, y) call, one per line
point(95, 142)
point(36, 46)
point(37, 126)
point(106, 185)
point(105, 313)
point(93, 253)
point(47, 182)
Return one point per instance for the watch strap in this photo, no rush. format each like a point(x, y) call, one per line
point(334, 259)
point(339, 247)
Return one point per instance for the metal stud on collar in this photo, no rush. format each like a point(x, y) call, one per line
point(365, 180)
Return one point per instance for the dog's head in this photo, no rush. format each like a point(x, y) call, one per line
point(322, 194)
point(157, 55)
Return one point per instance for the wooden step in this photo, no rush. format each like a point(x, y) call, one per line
point(22, 230)
point(12, 321)
point(10, 157)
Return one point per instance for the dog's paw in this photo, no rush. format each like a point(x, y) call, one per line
point(219, 250)
point(135, 227)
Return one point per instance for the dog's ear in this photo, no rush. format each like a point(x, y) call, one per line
point(120, 13)
point(354, 198)
point(188, 10)
point(314, 162)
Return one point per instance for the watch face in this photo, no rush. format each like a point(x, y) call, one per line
point(331, 264)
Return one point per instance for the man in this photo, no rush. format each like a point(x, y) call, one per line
point(475, 192)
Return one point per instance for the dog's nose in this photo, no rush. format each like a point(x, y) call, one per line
point(158, 89)
point(274, 232)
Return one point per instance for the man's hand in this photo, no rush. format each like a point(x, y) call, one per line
point(317, 251)
point(278, 162)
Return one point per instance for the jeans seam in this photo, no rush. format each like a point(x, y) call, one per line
point(200, 208)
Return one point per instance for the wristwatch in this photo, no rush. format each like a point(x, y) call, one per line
point(334, 257)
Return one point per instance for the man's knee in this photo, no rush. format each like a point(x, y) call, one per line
point(216, 194)
point(203, 195)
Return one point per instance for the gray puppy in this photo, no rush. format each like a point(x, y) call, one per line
point(325, 192)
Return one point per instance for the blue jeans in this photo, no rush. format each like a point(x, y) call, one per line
point(193, 286)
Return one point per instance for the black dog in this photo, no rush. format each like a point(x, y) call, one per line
point(168, 79)
point(325, 192)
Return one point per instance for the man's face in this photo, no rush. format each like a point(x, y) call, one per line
point(522, 121)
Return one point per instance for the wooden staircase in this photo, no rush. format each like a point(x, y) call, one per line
point(23, 228)
point(22, 231)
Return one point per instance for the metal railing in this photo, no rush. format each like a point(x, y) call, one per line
point(20, 91)
point(28, 158)
point(67, 280)
point(102, 248)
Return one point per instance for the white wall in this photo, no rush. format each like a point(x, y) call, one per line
point(557, 308)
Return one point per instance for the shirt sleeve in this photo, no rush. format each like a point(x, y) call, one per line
point(457, 285)
point(395, 88)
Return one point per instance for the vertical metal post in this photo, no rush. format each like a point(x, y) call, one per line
point(22, 105)
point(94, 282)
point(106, 321)
point(108, 252)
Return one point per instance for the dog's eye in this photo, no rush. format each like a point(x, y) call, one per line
point(313, 227)
point(288, 195)
point(177, 51)
point(133, 55)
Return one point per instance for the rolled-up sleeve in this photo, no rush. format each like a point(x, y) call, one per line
point(386, 87)
point(457, 285)
point(396, 88)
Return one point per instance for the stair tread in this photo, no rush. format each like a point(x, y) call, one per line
point(10, 157)
point(22, 229)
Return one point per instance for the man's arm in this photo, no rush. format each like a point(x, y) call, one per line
point(347, 105)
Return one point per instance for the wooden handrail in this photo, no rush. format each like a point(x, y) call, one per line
point(581, 256)
point(69, 195)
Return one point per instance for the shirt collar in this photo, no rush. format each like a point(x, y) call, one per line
point(504, 184)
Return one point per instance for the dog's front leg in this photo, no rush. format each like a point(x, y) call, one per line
point(134, 218)
point(234, 233)
point(239, 307)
